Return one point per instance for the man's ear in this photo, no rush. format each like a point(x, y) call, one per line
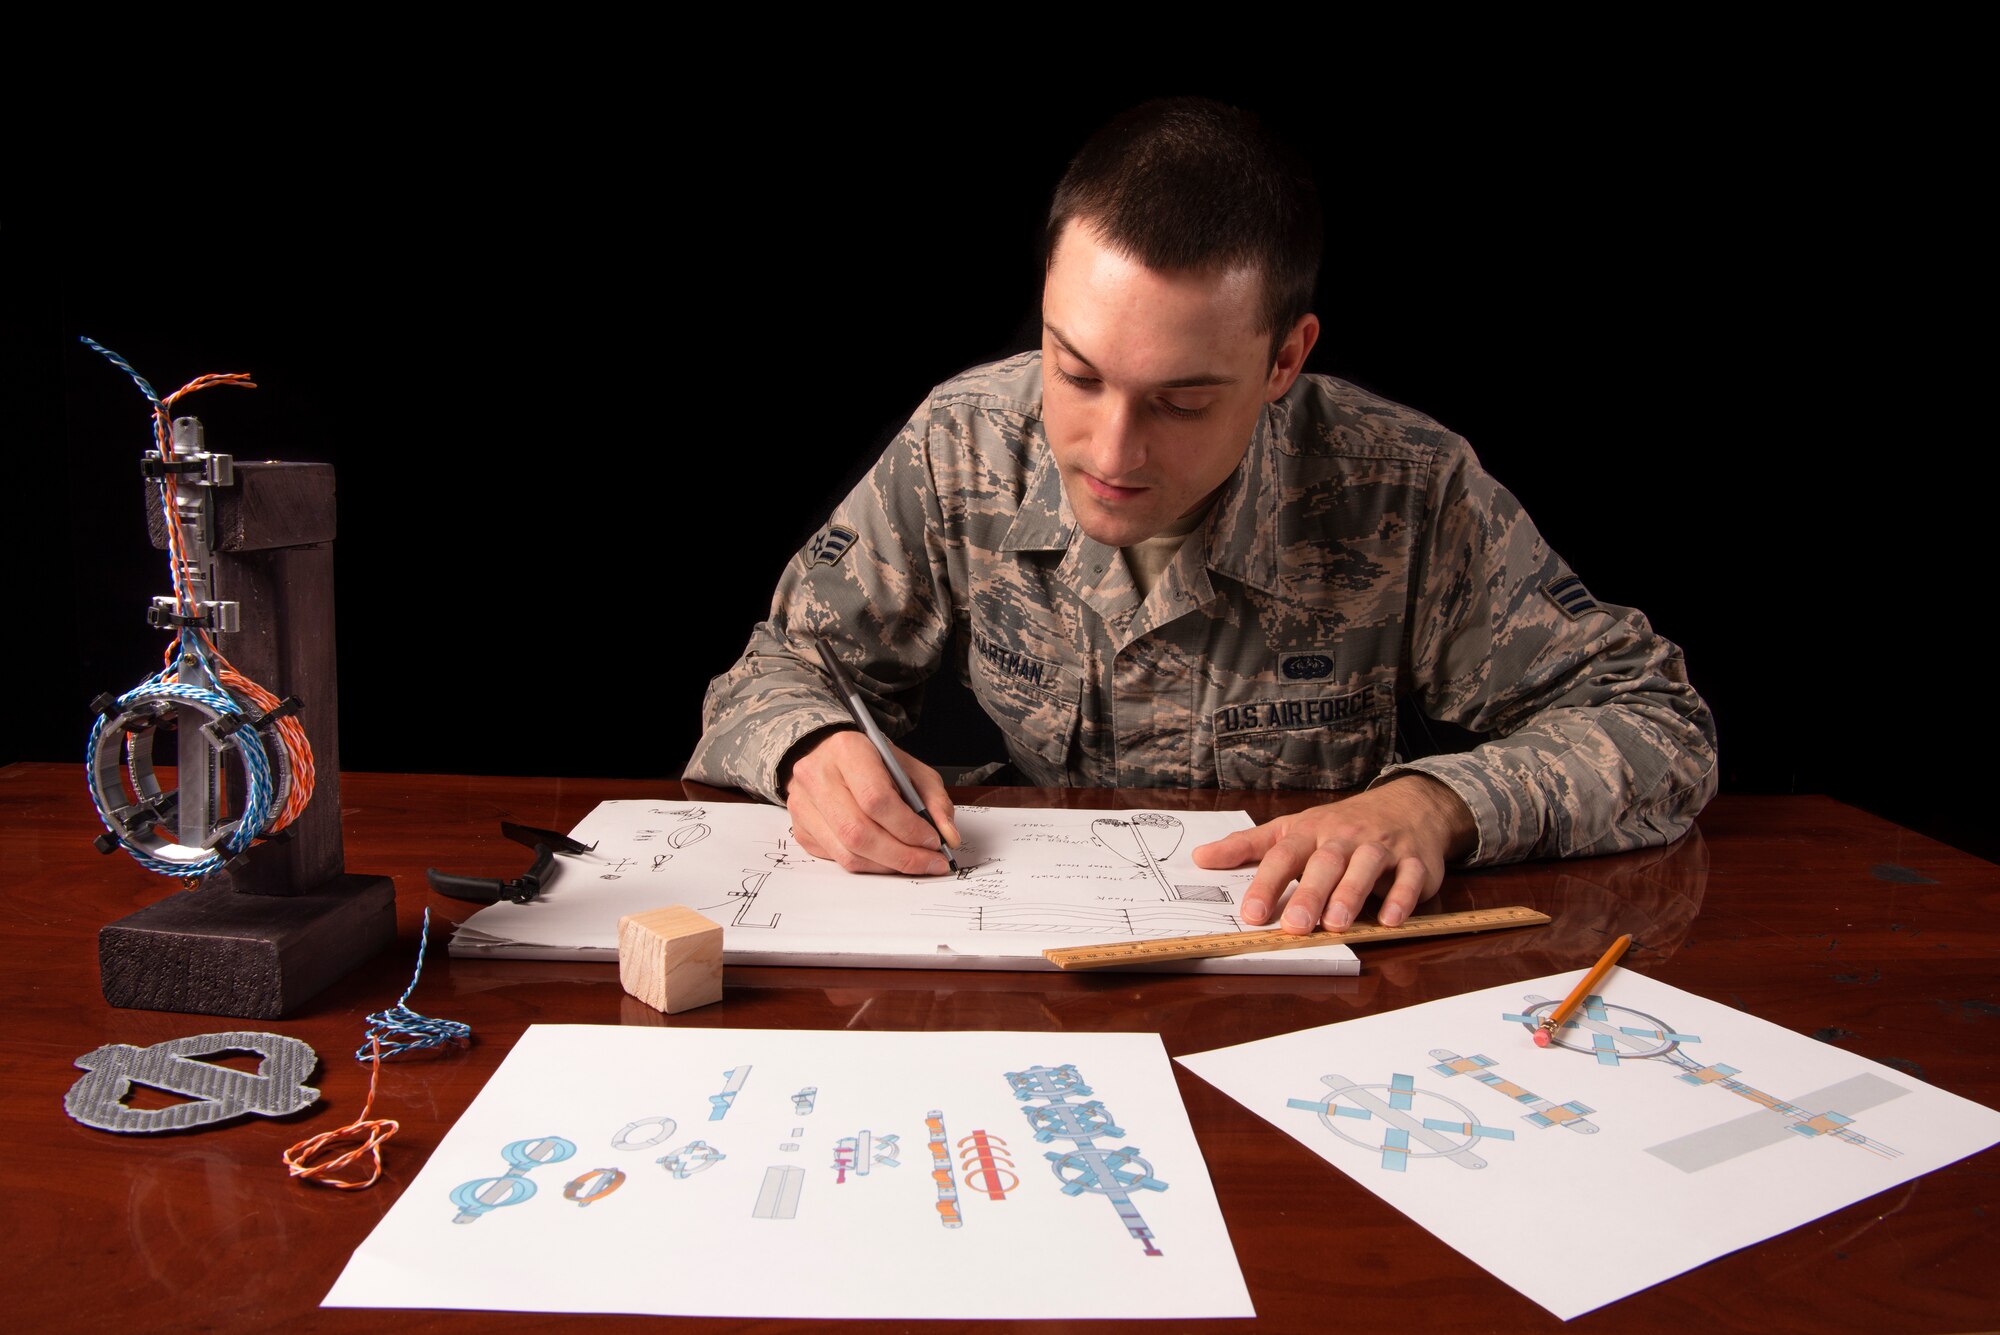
point(1291, 358)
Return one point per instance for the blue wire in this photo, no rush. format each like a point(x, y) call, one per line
point(391, 1026)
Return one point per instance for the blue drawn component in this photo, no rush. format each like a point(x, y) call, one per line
point(1071, 1121)
point(1045, 1082)
point(802, 1102)
point(886, 1150)
point(480, 1195)
point(694, 1157)
point(1400, 1089)
point(719, 1104)
point(1112, 1173)
point(1105, 1172)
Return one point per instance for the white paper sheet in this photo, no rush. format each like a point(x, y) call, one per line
point(1028, 879)
point(1665, 1131)
point(771, 1173)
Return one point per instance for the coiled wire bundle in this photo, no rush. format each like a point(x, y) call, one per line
point(196, 682)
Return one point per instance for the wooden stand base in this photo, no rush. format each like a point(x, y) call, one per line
point(670, 958)
point(215, 952)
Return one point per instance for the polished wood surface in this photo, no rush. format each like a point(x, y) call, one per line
point(1808, 913)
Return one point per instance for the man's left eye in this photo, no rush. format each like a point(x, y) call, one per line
point(1173, 409)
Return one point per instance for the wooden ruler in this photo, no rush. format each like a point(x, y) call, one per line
point(1251, 943)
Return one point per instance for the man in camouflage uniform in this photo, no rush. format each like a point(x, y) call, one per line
point(1163, 557)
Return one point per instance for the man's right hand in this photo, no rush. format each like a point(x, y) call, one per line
point(846, 808)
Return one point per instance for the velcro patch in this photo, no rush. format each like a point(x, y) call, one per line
point(1569, 594)
point(1299, 669)
point(831, 544)
point(1268, 715)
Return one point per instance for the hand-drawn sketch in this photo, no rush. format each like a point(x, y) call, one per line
point(1109, 1173)
point(802, 1102)
point(1149, 838)
point(1029, 879)
point(482, 1194)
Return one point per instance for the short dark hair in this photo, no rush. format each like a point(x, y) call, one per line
point(1186, 183)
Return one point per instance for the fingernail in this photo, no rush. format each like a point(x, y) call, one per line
point(1298, 919)
point(1337, 918)
point(1391, 916)
point(1255, 910)
point(939, 867)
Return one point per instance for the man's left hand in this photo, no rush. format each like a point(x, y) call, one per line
point(1395, 838)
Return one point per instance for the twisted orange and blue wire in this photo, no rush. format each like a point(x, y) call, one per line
point(226, 690)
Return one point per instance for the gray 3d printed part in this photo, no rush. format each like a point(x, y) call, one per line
point(215, 1093)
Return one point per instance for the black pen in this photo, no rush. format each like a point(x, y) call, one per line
point(844, 687)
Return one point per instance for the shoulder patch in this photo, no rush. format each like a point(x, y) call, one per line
point(831, 544)
point(1568, 594)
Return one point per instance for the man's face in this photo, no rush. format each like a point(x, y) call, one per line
point(1152, 383)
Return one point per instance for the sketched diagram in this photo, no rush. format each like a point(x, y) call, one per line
point(1401, 1121)
point(1829, 1111)
point(1111, 1173)
point(745, 899)
point(1146, 839)
point(1097, 920)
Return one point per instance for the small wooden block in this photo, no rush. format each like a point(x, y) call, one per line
point(670, 958)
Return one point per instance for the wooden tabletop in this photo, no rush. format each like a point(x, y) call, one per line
point(1808, 913)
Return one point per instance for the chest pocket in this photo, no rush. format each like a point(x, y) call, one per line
point(1305, 741)
point(1034, 699)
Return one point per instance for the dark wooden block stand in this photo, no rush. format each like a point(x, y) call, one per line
point(283, 919)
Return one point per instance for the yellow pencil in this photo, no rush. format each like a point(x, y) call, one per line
point(1555, 1018)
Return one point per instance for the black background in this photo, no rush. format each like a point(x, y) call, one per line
point(589, 376)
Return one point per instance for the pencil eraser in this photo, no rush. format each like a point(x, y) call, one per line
point(1541, 1038)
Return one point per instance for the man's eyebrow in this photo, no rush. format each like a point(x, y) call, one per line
point(1181, 382)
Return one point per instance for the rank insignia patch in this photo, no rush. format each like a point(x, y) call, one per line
point(1569, 594)
point(830, 545)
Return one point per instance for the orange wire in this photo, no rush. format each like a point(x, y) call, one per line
point(374, 1132)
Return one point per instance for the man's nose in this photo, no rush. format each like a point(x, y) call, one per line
point(1118, 441)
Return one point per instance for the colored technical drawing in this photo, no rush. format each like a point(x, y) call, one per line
point(719, 1104)
point(802, 1102)
point(484, 1194)
point(1573, 1116)
point(1829, 1111)
point(984, 1162)
point(594, 1185)
point(1440, 1137)
point(1111, 1173)
point(941, 1171)
point(778, 1197)
point(654, 1129)
point(697, 1156)
point(859, 1153)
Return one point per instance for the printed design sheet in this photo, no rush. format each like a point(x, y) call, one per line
point(768, 1173)
point(1028, 879)
point(1659, 1131)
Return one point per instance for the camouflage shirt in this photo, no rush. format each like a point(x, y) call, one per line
point(1358, 553)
